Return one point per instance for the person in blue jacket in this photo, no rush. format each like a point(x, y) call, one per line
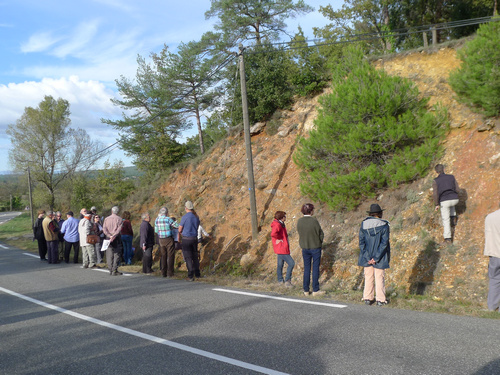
point(374, 255)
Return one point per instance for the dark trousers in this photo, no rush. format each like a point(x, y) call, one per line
point(314, 256)
point(147, 260)
point(52, 251)
point(61, 246)
point(190, 254)
point(67, 250)
point(114, 253)
point(42, 248)
point(167, 251)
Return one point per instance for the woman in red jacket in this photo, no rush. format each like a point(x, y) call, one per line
point(279, 238)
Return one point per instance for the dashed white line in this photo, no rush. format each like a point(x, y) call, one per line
point(145, 336)
point(3, 247)
point(281, 298)
point(31, 255)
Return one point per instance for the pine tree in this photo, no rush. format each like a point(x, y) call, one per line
point(372, 131)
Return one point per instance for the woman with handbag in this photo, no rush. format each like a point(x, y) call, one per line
point(97, 231)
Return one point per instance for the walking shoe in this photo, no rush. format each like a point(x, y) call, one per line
point(190, 279)
point(116, 273)
point(288, 284)
point(447, 241)
point(369, 302)
point(380, 303)
point(307, 293)
point(319, 293)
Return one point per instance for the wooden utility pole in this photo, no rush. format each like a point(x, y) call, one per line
point(248, 144)
point(31, 197)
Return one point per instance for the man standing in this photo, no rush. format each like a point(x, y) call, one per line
point(50, 229)
point(111, 228)
point(39, 236)
point(188, 228)
point(311, 238)
point(71, 236)
point(88, 254)
point(60, 235)
point(164, 226)
point(492, 250)
point(147, 234)
point(445, 193)
point(375, 254)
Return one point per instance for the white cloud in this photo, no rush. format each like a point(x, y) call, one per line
point(81, 37)
point(39, 42)
point(89, 101)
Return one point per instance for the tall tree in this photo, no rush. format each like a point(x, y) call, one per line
point(42, 140)
point(359, 17)
point(151, 124)
point(190, 75)
point(254, 19)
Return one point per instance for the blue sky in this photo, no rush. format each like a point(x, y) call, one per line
point(76, 49)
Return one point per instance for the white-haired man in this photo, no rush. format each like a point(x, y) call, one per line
point(111, 228)
point(164, 226)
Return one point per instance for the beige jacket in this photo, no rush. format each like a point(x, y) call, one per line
point(84, 227)
point(492, 235)
point(48, 234)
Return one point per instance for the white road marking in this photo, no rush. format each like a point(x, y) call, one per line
point(145, 336)
point(107, 271)
point(3, 247)
point(281, 298)
point(31, 255)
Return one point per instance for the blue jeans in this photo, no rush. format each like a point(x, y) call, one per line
point(127, 248)
point(282, 258)
point(313, 255)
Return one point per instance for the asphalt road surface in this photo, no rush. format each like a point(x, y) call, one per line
point(6, 216)
point(62, 319)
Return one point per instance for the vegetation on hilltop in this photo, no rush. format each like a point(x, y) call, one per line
point(372, 131)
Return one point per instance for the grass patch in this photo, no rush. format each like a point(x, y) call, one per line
point(18, 232)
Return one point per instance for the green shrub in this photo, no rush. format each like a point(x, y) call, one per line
point(372, 131)
point(477, 81)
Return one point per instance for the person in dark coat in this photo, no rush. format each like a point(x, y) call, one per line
point(61, 244)
point(39, 236)
point(374, 255)
point(147, 241)
point(311, 238)
point(445, 194)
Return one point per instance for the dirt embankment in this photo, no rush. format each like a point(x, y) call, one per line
point(218, 188)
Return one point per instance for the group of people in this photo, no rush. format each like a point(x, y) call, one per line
point(375, 251)
point(114, 235)
point(56, 237)
point(374, 243)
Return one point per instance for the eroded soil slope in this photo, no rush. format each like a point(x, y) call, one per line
point(218, 188)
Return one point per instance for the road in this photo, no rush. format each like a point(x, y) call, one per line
point(62, 319)
point(6, 216)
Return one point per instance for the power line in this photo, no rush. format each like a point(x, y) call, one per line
point(293, 45)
